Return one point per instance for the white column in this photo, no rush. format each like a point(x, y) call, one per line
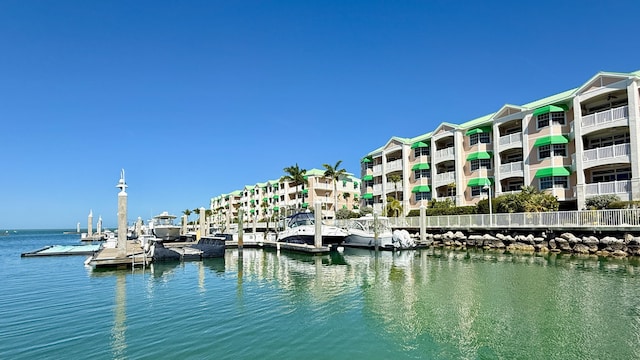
point(579, 148)
point(202, 230)
point(122, 216)
point(318, 225)
point(90, 223)
point(634, 131)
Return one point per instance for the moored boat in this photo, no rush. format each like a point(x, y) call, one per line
point(300, 229)
point(362, 233)
point(164, 228)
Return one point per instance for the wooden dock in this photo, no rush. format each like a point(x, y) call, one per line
point(111, 257)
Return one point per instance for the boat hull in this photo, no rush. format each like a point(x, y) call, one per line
point(306, 235)
point(166, 233)
point(368, 241)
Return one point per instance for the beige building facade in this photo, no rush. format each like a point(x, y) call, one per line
point(275, 198)
point(577, 144)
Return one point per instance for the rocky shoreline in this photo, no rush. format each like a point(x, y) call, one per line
point(566, 242)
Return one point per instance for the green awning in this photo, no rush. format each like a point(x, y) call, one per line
point(480, 182)
point(304, 191)
point(479, 155)
point(478, 130)
point(551, 140)
point(276, 197)
point(265, 199)
point(367, 178)
point(253, 201)
point(553, 171)
point(367, 196)
point(549, 108)
point(252, 211)
point(419, 144)
point(304, 205)
point(344, 206)
point(275, 208)
point(423, 166)
point(366, 160)
point(421, 188)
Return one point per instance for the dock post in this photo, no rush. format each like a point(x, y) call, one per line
point(139, 226)
point(122, 216)
point(201, 232)
point(317, 209)
point(90, 224)
point(376, 236)
point(184, 224)
point(240, 231)
point(423, 223)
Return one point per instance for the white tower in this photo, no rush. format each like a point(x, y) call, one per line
point(122, 215)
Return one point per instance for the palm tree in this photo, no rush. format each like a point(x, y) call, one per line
point(295, 176)
point(264, 205)
point(394, 208)
point(346, 197)
point(188, 213)
point(395, 179)
point(333, 173)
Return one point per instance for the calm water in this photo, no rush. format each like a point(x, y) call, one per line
point(412, 305)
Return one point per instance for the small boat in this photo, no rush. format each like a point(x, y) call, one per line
point(163, 227)
point(300, 229)
point(362, 232)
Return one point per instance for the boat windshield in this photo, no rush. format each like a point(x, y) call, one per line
point(301, 219)
point(163, 221)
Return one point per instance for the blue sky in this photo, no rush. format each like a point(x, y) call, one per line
point(198, 98)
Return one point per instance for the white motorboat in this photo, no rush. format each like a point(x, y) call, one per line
point(164, 228)
point(362, 232)
point(300, 229)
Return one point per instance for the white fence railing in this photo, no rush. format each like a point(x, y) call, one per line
point(513, 167)
point(587, 219)
point(444, 153)
point(607, 152)
point(609, 187)
point(510, 139)
point(606, 116)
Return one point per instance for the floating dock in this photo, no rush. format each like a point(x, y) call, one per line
point(59, 250)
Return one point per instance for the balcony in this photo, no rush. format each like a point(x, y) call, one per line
point(510, 141)
point(606, 188)
point(445, 198)
point(444, 178)
point(323, 186)
point(394, 165)
point(444, 155)
point(377, 189)
point(605, 119)
point(607, 155)
point(514, 169)
point(377, 169)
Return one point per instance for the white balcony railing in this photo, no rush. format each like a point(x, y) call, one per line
point(444, 154)
point(394, 165)
point(514, 167)
point(609, 187)
point(377, 189)
point(444, 178)
point(323, 186)
point(377, 169)
point(607, 116)
point(607, 152)
point(510, 140)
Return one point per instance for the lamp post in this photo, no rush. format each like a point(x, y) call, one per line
point(488, 188)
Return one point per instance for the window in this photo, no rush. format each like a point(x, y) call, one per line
point(609, 140)
point(549, 182)
point(425, 173)
point(480, 163)
point(557, 118)
point(513, 186)
point(507, 159)
point(477, 190)
point(421, 151)
point(611, 175)
point(546, 151)
point(423, 196)
point(483, 138)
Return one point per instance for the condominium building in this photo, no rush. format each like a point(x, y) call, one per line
point(576, 144)
point(280, 198)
